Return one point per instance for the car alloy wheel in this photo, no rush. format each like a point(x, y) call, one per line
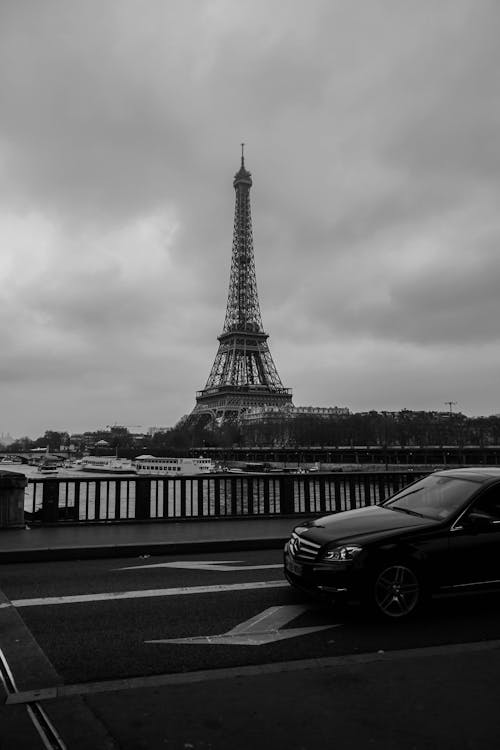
point(396, 591)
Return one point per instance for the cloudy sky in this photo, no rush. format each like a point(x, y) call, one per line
point(373, 137)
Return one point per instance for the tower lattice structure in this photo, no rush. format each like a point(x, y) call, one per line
point(243, 374)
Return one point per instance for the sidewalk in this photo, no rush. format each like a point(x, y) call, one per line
point(73, 542)
point(439, 698)
point(421, 699)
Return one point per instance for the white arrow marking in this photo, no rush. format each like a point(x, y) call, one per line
point(259, 630)
point(215, 565)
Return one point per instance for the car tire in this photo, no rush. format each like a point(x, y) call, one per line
point(395, 591)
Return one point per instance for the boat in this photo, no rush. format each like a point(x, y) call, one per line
point(105, 465)
point(47, 469)
point(173, 467)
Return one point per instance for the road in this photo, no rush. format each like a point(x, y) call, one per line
point(99, 621)
point(108, 619)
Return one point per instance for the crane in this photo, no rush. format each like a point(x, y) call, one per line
point(451, 404)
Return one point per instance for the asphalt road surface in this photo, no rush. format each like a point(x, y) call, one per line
point(217, 652)
point(108, 619)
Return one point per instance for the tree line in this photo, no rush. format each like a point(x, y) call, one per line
point(404, 428)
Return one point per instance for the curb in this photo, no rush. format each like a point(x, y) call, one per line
point(95, 552)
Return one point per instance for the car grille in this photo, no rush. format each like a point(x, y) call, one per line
point(302, 549)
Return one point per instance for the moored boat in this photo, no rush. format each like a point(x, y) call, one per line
point(106, 465)
point(173, 467)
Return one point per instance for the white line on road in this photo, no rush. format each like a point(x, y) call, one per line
point(146, 593)
point(215, 565)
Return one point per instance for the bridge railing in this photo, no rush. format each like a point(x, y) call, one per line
point(116, 499)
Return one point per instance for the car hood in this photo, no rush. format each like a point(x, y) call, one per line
point(362, 524)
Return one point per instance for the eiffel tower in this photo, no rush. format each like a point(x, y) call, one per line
point(243, 374)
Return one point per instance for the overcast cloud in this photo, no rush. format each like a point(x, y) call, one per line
point(372, 131)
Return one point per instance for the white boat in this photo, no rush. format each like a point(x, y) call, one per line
point(173, 467)
point(105, 464)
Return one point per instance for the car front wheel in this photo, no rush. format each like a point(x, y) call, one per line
point(395, 591)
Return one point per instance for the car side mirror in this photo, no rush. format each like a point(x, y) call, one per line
point(478, 522)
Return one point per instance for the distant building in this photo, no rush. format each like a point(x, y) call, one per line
point(83, 440)
point(259, 414)
point(153, 430)
point(321, 411)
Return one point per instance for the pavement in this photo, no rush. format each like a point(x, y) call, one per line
point(420, 699)
point(72, 542)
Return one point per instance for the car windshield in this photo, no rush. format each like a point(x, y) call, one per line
point(435, 496)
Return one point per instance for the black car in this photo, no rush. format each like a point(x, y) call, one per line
point(441, 533)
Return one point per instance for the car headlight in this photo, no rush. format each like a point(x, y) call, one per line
point(344, 553)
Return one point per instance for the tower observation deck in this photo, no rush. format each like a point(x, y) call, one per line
point(243, 374)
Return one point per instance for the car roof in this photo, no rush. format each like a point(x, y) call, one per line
point(475, 473)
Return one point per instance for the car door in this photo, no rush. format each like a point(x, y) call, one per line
point(475, 542)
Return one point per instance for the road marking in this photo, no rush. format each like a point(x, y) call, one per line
point(259, 630)
point(215, 565)
point(147, 593)
point(339, 663)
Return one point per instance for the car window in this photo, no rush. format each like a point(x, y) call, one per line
point(488, 504)
point(436, 496)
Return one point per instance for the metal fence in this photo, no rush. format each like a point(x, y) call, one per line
point(118, 498)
